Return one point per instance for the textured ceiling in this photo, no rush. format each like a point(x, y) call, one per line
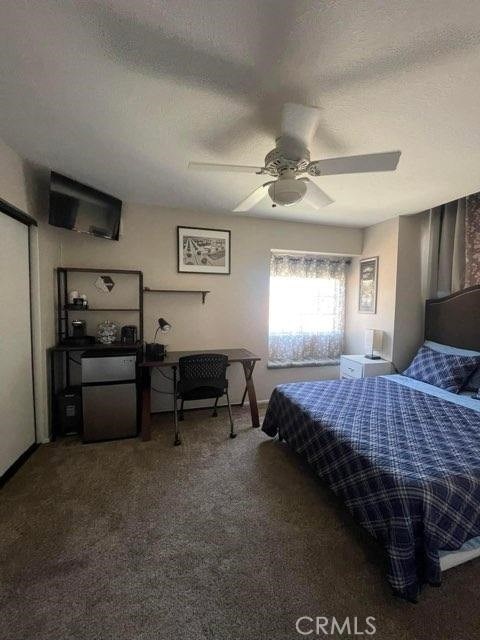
point(122, 94)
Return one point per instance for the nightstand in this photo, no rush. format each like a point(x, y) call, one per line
point(362, 367)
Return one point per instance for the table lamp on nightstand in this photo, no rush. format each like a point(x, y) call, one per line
point(373, 344)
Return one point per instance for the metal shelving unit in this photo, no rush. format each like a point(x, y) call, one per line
point(67, 308)
point(62, 297)
point(60, 355)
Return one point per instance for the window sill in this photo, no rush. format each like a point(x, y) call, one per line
point(298, 365)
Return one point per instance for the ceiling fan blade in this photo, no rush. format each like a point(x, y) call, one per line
point(253, 199)
point(238, 168)
point(299, 122)
point(315, 197)
point(355, 164)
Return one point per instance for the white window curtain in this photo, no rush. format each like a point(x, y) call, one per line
point(307, 310)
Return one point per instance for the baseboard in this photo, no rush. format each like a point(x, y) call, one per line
point(17, 464)
point(220, 406)
point(187, 409)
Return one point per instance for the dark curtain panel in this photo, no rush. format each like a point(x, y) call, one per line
point(454, 246)
point(472, 240)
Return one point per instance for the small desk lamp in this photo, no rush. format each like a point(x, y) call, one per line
point(163, 325)
point(154, 351)
point(373, 344)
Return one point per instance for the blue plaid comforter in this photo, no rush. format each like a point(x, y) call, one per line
point(407, 465)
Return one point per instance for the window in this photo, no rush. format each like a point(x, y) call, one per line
point(307, 310)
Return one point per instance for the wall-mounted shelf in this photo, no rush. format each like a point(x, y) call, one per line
point(125, 272)
point(115, 346)
point(202, 292)
point(68, 308)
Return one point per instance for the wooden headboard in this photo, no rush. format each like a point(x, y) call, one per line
point(455, 319)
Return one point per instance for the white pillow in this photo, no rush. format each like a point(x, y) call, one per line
point(445, 348)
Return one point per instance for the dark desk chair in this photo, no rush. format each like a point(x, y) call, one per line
point(202, 377)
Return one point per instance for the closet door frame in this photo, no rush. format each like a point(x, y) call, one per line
point(20, 216)
point(11, 211)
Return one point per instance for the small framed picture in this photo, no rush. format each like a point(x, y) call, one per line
point(367, 299)
point(203, 250)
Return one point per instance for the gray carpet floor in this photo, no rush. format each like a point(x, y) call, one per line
point(219, 538)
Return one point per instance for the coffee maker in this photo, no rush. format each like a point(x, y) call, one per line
point(78, 335)
point(128, 334)
point(79, 328)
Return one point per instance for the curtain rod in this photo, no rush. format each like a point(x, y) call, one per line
point(298, 255)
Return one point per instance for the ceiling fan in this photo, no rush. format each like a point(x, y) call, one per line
point(291, 158)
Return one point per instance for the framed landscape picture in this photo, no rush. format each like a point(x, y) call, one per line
point(203, 250)
point(367, 299)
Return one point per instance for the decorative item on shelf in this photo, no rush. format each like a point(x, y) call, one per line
point(77, 305)
point(373, 344)
point(76, 301)
point(107, 332)
point(104, 284)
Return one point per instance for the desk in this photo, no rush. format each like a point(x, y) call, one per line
point(243, 356)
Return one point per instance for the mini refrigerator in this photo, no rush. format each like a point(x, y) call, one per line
point(109, 395)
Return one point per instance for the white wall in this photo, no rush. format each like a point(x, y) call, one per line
point(236, 310)
point(400, 246)
point(410, 299)
point(26, 188)
point(379, 240)
point(13, 181)
point(17, 424)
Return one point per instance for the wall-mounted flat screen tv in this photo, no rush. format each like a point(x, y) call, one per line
point(83, 209)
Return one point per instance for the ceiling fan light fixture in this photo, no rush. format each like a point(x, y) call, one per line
point(290, 159)
point(287, 191)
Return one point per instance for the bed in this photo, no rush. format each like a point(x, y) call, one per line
point(404, 455)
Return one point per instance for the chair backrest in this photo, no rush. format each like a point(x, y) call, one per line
point(204, 367)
